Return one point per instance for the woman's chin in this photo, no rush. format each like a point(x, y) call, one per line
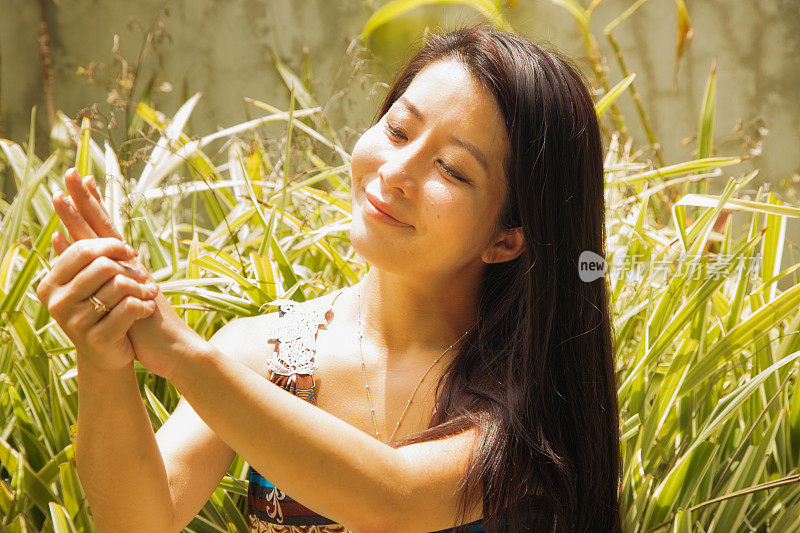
point(376, 249)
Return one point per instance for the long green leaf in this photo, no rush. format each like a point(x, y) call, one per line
point(705, 127)
point(611, 96)
point(395, 8)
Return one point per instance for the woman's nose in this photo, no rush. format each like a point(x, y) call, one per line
point(399, 169)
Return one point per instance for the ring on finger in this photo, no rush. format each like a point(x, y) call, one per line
point(115, 290)
point(98, 305)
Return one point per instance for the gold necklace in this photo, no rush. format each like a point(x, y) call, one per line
point(366, 385)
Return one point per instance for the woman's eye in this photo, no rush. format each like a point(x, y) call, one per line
point(395, 132)
point(452, 172)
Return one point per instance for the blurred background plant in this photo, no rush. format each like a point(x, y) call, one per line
point(230, 221)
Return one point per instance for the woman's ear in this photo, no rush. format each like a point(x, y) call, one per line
point(510, 245)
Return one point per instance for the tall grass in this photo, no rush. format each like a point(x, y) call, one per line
point(707, 345)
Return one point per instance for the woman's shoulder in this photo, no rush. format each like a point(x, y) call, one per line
point(247, 339)
point(244, 339)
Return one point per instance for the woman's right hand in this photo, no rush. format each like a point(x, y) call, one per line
point(93, 267)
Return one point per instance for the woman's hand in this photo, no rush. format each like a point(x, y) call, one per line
point(163, 339)
point(92, 268)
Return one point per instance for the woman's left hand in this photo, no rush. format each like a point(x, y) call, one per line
point(163, 339)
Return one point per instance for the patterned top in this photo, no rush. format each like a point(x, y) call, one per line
point(270, 510)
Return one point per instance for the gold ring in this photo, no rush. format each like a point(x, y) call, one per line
point(98, 305)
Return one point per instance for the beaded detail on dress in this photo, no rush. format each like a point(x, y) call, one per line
point(296, 332)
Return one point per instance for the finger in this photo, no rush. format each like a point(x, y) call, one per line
point(120, 286)
point(99, 272)
point(84, 316)
point(111, 294)
point(60, 243)
point(76, 226)
point(95, 205)
point(91, 184)
point(83, 252)
point(88, 206)
point(120, 319)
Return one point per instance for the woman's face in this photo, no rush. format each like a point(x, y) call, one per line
point(434, 162)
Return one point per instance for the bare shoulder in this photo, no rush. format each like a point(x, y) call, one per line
point(245, 340)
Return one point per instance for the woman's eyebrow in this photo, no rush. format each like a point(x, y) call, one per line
point(472, 149)
point(477, 154)
point(411, 107)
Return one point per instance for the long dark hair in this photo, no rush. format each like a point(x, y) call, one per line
point(536, 377)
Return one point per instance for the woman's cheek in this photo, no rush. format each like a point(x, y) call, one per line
point(365, 157)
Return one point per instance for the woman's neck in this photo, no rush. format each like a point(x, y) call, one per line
point(410, 319)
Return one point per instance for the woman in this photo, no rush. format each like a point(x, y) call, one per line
point(473, 195)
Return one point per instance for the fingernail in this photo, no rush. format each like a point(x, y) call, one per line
point(130, 249)
point(152, 287)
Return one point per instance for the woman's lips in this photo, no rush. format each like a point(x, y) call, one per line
point(373, 210)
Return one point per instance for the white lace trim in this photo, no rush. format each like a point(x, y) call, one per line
point(296, 329)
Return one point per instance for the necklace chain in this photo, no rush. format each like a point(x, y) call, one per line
point(366, 385)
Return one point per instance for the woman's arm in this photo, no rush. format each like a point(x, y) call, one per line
point(326, 464)
point(196, 457)
point(118, 460)
point(134, 480)
point(138, 481)
point(323, 462)
point(116, 455)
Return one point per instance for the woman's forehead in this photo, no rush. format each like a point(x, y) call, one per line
point(447, 85)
